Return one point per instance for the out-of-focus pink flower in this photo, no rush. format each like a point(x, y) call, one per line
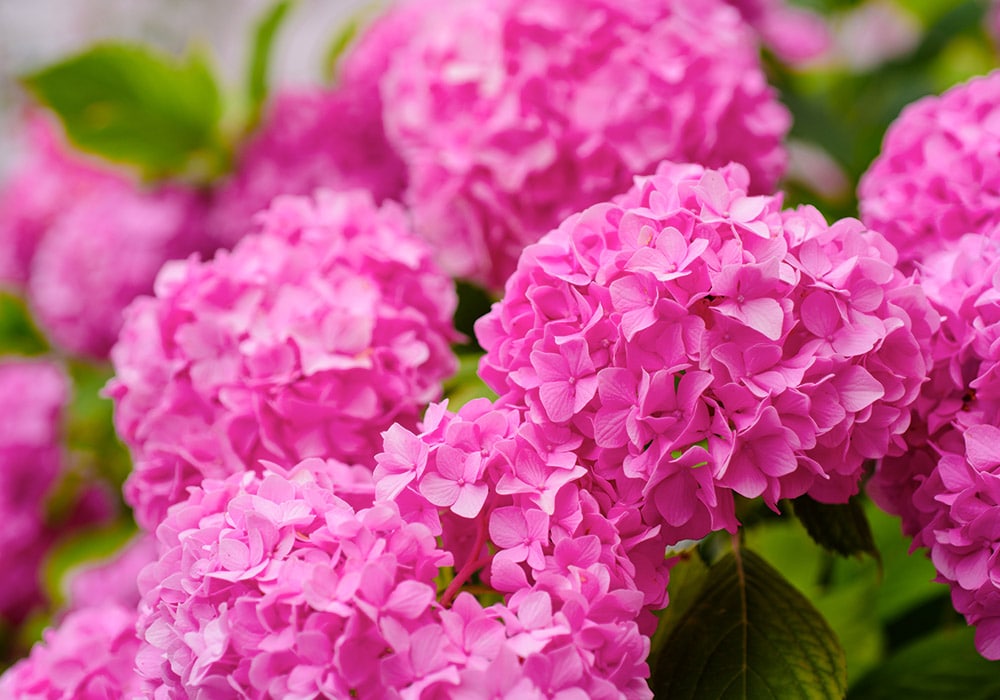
point(33, 395)
point(112, 580)
point(511, 115)
point(874, 32)
point(90, 655)
point(794, 34)
point(308, 339)
point(937, 178)
point(309, 139)
point(82, 240)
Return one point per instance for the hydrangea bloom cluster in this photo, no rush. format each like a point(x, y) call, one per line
point(32, 397)
point(511, 115)
point(945, 487)
point(273, 586)
point(60, 217)
point(309, 139)
point(308, 339)
point(937, 178)
point(90, 656)
point(700, 342)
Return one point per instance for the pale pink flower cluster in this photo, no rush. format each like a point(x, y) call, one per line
point(945, 487)
point(60, 215)
point(511, 115)
point(90, 656)
point(795, 34)
point(937, 178)
point(273, 586)
point(32, 397)
point(309, 139)
point(700, 342)
point(308, 339)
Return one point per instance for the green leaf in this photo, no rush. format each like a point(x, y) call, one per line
point(132, 105)
point(687, 578)
point(943, 665)
point(466, 385)
point(750, 634)
point(341, 40)
point(82, 547)
point(260, 58)
point(18, 334)
point(842, 528)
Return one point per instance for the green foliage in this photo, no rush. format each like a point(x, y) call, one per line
point(341, 40)
point(264, 37)
point(18, 334)
point(130, 104)
point(842, 528)
point(750, 634)
point(82, 547)
point(943, 665)
point(466, 384)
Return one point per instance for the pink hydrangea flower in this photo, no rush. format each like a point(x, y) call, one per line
point(309, 339)
point(112, 580)
point(37, 192)
point(794, 34)
point(59, 218)
point(33, 395)
point(700, 342)
point(946, 486)
point(512, 115)
point(936, 179)
point(309, 139)
point(90, 655)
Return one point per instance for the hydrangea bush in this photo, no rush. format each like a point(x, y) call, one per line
point(681, 359)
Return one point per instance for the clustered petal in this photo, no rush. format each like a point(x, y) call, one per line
point(699, 343)
point(511, 115)
point(90, 656)
point(308, 339)
point(936, 178)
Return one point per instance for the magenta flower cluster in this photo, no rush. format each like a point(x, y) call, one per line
point(937, 177)
point(59, 217)
point(700, 342)
point(90, 656)
point(273, 586)
point(309, 139)
point(510, 116)
point(308, 339)
point(945, 487)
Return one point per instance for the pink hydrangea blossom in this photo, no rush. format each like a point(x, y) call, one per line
point(112, 580)
point(33, 396)
point(511, 115)
point(936, 179)
point(946, 486)
point(309, 139)
point(309, 339)
point(37, 192)
point(700, 342)
point(794, 34)
point(59, 218)
point(90, 655)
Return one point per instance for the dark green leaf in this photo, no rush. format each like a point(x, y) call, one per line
point(687, 578)
point(944, 665)
point(750, 634)
point(842, 528)
point(260, 57)
point(129, 104)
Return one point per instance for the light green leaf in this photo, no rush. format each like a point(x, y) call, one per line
point(943, 665)
point(466, 385)
point(841, 527)
point(130, 104)
point(260, 57)
point(750, 634)
point(84, 546)
point(341, 40)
